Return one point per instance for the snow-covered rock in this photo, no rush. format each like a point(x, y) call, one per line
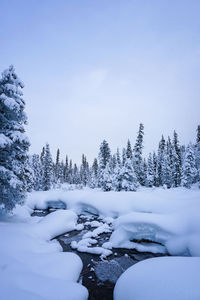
point(174, 278)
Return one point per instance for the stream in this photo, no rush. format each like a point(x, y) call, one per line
point(98, 275)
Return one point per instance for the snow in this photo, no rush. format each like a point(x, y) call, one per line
point(32, 266)
point(175, 278)
point(115, 204)
point(4, 140)
point(168, 218)
point(88, 240)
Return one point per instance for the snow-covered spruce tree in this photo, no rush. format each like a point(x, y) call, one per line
point(28, 175)
point(197, 153)
point(93, 178)
point(37, 173)
point(48, 169)
point(129, 179)
point(76, 175)
point(57, 167)
point(66, 169)
point(107, 181)
point(177, 160)
point(104, 159)
point(166, 170)
point(155, 169)
point(13, 141)
point(160, 158)
point(137, 155)
point(84, 171)
point(189, 171)
point(129, 152)
point(150, 171)
point(118, 157)
point(123, 156)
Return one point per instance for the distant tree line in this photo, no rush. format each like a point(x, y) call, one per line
point(172, 165)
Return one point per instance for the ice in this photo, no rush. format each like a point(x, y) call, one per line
point(175, 278)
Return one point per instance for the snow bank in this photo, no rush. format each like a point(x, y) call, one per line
point(179, 232)
point(169, 218)
point(56, 223)
point(174, 278)
point(31, 266)
point(115, 204)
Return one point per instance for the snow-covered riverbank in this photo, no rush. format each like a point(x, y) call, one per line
point(32, 266)
point(150, 220)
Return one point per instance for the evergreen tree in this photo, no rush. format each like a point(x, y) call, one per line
point(177, 160)
point(155, 170)
point(118, 157)
point(189, 170)
point(137, 154)
point(124, 157)
point(57, 166)
point(13, 141)
point(84, 170)
point(129, 179)
point(129, 152)
point(93, 181)
point(150, 171)
point(160, 158)
point(48, 169)
point(197, 153)
point(37, 173)
point(104, 159)
point(107, 179)
point(66, 170)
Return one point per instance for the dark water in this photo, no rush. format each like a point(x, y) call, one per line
point(99, 276)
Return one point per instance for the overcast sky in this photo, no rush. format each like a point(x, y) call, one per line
point(94, 70)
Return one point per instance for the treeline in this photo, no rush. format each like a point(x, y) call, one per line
point(172, 165)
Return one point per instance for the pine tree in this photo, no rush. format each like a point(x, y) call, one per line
point(107, 179)
point(189, 171)
point(137, 154)
point(177, 160)
point(129, 179)
point(66, 170)
point(104, 159)
point(57, 167)
point(197, 153)
point(13, 141)
point(48, 169)
point(37, 173)
point(129, 152)
point(124, 157)
point(84, 170)
point(160, 158)
point(93, 176)
point(150, 171)
point(118, 157)
point(155, 170)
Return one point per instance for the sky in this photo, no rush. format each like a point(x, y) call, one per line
point(95, 69)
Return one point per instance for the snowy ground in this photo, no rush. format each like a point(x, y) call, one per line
point(32, 266)
point(153, 220)
point(169, 218)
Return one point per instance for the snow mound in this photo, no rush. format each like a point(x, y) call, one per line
point(174, 278)
point(32, 266)
point(56, 223)
point(178, 232)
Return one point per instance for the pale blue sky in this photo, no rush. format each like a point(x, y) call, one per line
point(96, 69)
